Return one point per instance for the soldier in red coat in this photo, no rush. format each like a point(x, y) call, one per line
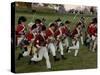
point(21, 25)
point(41, 44)
point(20, 29)
point(67, 33)
point(75, 40)
point(25, 43)
point(31, 36)
point(51, 40)
point(92, 34)
point(60, 35)
point(92, 29)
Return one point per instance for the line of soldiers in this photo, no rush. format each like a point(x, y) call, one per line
point(40, 40)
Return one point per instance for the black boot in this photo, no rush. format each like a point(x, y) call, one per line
point(34, 62)
point(62, 56)
point(20, 56)
point(56, 59)
point(67, 49)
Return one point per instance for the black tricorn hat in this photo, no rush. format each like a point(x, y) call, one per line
point(58, 20)
point(52, 24)
point(67, 22)
point(21, 19)
point(37, 21)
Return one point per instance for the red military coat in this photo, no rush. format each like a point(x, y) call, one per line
point(20, 29)
point(40, 41)
point(92, 30)
point(29, 36)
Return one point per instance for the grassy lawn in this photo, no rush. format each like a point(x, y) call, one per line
point(85, 59)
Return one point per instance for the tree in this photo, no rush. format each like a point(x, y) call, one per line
point(92, 10)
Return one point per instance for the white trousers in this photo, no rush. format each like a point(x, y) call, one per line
point(26, 53)
point(61, 48)
point(75, 47)
point(93, 37)
point(93, 43)
point(82, 42)
point(66, 42)
point(43, 53)
point(52, 48)
point(34, 49)
point(19, 40)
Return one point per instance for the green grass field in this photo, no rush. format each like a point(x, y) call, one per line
point(85, 59)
